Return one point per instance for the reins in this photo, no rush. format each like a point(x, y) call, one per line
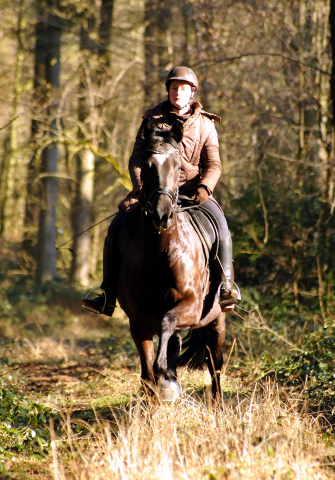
point(159, 192)
point(187, 207)
point(84, 231)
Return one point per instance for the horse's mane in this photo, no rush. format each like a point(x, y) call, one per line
point(152, 134)
point(162, 134)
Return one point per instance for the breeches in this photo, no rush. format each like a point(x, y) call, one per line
point(218, 214)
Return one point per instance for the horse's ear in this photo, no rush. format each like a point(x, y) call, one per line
point(148, 129)
point(177, 130)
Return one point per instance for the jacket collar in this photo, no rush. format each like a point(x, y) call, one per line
point(163, 108)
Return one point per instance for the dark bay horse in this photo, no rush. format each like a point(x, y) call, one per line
point(164, 284)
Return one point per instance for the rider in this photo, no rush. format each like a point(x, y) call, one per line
point(200, 172)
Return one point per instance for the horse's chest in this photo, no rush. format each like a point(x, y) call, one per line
point(160, 271)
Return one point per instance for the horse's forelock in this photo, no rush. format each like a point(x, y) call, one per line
point(161, 137)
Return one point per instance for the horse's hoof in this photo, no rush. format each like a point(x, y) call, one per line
point(169, 391)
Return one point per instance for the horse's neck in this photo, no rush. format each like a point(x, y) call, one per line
point(155, 239)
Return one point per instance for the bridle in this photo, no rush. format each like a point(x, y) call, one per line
point(155, 194)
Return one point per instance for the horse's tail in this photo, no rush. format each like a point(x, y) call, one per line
point(194, 349)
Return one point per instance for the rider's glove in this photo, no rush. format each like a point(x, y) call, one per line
point(202, 194)
point(130, 200)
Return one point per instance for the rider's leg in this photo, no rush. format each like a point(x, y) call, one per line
point(105, 303)
point(229, 294)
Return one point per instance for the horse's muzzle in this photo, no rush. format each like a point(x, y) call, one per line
point(162, 223)
point(163, 213)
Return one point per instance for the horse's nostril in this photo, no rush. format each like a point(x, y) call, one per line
point(161, 221)
point(164, 220)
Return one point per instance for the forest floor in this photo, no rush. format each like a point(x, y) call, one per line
point(71, 406)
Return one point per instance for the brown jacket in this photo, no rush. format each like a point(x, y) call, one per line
point(199, 148)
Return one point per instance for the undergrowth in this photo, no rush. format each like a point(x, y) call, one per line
point(23, 426)
point(293, 345)
point(313, 366)
point(79, 372)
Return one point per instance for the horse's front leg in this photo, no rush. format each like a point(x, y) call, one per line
point(167, 354)
point(146, 351)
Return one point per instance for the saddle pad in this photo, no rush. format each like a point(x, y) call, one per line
point(206, 227)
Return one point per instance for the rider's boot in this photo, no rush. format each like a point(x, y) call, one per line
point(105, 302)
point(229, 293)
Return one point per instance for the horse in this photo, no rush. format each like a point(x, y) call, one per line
point(165, 285)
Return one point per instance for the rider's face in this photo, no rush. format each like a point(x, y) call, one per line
point(180, 94)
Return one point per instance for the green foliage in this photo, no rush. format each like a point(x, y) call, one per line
point(24, 303)
point(314, 367)
point(293, 346)
point(287, 248)
point(23, 425)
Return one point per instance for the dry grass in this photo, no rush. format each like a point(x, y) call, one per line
point(86, 371)
point(258, 435)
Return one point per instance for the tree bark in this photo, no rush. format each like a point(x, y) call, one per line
point(32, 208)
point(330, 174)
point(12, 184)
point(82, 217)
point(157, 59)
point(105, 32)
point(46, 261)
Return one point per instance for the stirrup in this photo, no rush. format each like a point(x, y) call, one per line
point(231, 300)
point(86, 298)
point(105, 306)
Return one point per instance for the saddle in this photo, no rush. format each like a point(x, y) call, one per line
point(205, 225)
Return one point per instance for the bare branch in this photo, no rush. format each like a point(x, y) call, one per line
point(255, 54)
point(11, 121)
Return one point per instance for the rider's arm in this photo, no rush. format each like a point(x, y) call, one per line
point(134, 167)
point(135, 161)
point(210, 158)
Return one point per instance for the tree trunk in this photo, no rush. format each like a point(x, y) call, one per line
point(105, 32)
point(34, 192)
point(157, 20)
point(46, 262)
point(82, 206)
point(330, 172)
point(82, 213)
point(83, 216)
point(12, 189)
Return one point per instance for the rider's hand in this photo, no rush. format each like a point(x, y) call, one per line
point(201, 196)
point(131, 199)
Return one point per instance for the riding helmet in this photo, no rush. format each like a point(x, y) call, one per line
point(182, 73)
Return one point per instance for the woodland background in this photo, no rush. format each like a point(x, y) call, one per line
point(76, 77)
